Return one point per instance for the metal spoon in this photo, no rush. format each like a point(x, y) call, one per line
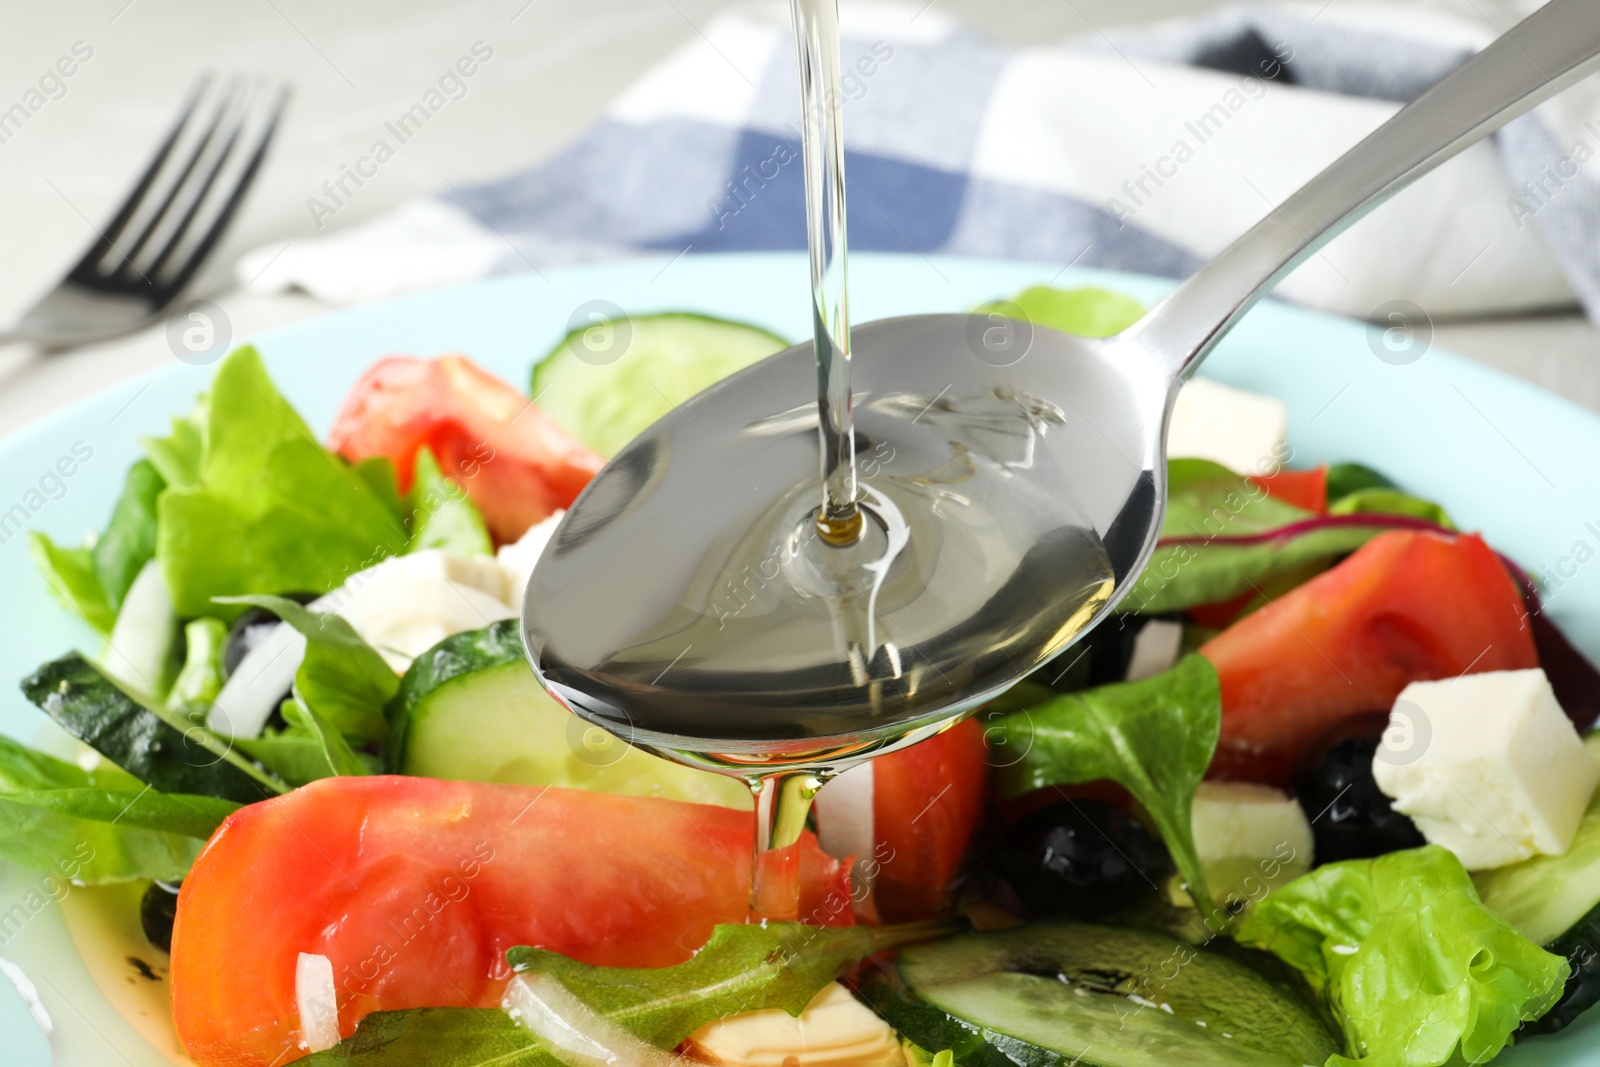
point(672, 606)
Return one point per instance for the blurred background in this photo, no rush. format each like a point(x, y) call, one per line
point(556, 66)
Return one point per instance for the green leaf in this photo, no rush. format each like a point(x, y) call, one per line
point(1347, 478)
point(1416, 970)
point(155, 746)
point(740, 969)
point(179, 456)
point(145, 809)
point(435, 1037)
point(129, 540)
point(1380, 500)
point(272, 511)
point(92, 581)
point(379, 474)
point(201, 678)
point(96, 827)
point(295, 755)
point(70, 574)
point(1154, 737)
point(1210, 503)
point(1087, 312)
point(23, 769)
point(442, 516)
point(342, 678)
point(335, 750)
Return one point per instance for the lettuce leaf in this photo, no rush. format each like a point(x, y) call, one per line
point(442, 515)
point(179, 455)
point(92, 581)
point(96, 827)
point(1154, 737)
point(129, 541)
point(70, 574)
point(1416, 970)
point(272, 511)
point(296, 755)
point(331, 745)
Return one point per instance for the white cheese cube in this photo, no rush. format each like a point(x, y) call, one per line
point(834, 1030)
point(483, 573)
point(1246, 821)
point(1488, 766)
point(1245, 432)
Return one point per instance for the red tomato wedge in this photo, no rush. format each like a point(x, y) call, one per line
point(910, 816)
point(926, 804)
point(515, 463)
point(414, 888)
point(1407, 606)
point(1303, 489)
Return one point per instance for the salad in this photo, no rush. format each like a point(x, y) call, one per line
point(1322, 791)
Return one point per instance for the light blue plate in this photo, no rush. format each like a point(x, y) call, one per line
point(1517, 463)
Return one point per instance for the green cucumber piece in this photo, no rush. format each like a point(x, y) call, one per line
point(1054, 994)
point(1554, 901)
point(470, 709)
point(1545, 896)
point(605, 399)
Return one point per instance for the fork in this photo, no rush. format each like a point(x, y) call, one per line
point(167, 225)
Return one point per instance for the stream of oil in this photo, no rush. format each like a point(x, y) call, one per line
point(722, 598)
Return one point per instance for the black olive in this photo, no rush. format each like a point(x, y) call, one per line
point(157, 911)
point(1080, 858)
point(248, 631)
point(1350, 816)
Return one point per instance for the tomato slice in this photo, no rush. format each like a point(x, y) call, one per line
point(1303, 489)
point(909, 817)
point(414, 888)
point(514, 462)
point(1407, 606)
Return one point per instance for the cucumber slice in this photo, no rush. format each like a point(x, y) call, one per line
point(470, 709)
point(605, 400)
point(1545, 896)
point(1054, 994)
point(1554, 901)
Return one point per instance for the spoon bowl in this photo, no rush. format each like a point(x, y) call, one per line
point(672, 601)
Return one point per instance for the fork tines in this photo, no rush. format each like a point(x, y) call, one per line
point(187, 195)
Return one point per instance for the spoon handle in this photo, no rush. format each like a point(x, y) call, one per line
point(1549, 50)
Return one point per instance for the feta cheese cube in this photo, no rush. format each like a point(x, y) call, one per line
point(1488, 766)
point(1245, 432)
point(482, 573)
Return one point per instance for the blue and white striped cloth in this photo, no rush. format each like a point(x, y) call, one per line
point(1143, 149)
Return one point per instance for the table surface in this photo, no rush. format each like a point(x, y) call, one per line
point(354, 65)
